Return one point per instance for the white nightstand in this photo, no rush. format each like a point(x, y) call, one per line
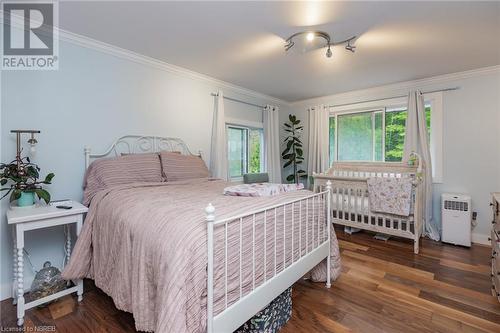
point(44, 216)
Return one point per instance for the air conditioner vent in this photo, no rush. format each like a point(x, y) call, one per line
point(456, 205)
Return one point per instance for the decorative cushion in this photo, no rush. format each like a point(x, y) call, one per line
point(176, 166)
point(106, 172)
point(272, 318)
point(250, 178)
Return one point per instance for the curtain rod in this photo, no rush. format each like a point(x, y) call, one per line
point(382, 99)
point(240, 101)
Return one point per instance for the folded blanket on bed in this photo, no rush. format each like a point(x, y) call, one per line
point(260, 189)
point(390, 195)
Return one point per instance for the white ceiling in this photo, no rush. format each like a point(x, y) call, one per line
point(242, 42)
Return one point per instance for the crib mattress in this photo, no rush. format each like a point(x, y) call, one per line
point(353, 204)
point(361, 205)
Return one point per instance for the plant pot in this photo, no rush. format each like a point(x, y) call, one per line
point(26, 199)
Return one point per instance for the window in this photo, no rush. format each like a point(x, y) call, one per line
point(371, 135)
point(245, 150)
point(377, 133)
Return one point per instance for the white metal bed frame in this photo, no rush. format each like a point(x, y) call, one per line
point(350, 191)
point(261, 295)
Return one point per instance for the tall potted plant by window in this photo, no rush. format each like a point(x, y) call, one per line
point(293, 154)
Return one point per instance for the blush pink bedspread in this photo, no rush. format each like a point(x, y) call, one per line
point(145, 245)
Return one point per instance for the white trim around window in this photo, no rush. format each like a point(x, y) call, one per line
point(436, 136)
point(246, 125)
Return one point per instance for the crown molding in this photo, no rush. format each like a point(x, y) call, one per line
point(398, 88)
point(126, 54)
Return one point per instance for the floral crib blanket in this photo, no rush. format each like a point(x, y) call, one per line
point(261, 189)
point(390, 195)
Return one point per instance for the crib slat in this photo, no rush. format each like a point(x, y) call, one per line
point(265, 245)
point(337, 203)
point(275, 240)
point(369, 208)
point(293, 228)
point(300, 229)
point(307, 226)
point(350, 206)
point(341, 203)
point(317, 219)
point(284, 237)
point(253, 252)
point(241, 257)
point(226, 259)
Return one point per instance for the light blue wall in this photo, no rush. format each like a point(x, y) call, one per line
point(91, 100)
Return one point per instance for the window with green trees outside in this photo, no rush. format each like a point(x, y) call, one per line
point(376, 135)
point(245, 150)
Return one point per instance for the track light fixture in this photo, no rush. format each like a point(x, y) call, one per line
point(310, 36)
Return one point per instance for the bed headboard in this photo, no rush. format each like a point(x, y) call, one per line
point(134, 144)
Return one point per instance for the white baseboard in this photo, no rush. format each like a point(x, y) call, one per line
point(481, 239)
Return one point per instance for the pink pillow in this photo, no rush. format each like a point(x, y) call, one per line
point(126, 169)
point(176, 166)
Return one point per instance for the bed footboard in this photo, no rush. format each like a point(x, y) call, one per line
point(254, 257)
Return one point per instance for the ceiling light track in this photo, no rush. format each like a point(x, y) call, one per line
point(311, 35)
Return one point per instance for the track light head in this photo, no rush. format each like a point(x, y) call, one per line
point(350, 47)
point(329, 52)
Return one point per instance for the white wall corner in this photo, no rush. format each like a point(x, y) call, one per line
point(481, 239)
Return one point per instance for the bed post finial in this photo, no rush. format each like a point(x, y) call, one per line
point(328, 227)
point(86, 151)
point(210, 211)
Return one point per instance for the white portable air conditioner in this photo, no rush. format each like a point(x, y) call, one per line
point(456, 217)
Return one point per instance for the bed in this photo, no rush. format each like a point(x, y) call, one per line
point(350, 204)
point(182, 257)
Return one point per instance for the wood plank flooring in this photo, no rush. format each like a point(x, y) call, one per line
point(383, 287)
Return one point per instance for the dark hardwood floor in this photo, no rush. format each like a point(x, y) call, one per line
point(384, 287)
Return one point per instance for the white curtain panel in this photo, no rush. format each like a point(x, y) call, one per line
point(218, 156)
point(318, 159)
point(416, 140)
point(272, 159)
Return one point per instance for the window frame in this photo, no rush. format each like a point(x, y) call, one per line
point(436, 137)
point(246, 125)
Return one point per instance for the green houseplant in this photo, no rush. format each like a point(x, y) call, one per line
point(293, 154)
point(23, 177)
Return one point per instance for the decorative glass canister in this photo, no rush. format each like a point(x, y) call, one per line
point(47, 281)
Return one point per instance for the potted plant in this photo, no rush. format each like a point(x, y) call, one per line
point(23, 177)
point(293, 154)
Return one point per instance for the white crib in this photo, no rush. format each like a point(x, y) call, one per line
point(350, 204)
